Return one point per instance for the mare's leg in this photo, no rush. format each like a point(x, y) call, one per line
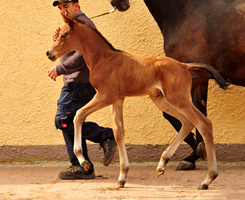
point(117, 114)
point(199, 99)
point(184, 130)
point(95, 104)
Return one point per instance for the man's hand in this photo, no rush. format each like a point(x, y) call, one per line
point(56, 34)
point(52, 73)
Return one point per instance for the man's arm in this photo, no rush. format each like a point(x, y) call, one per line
point(74, 63)
point(71, 62)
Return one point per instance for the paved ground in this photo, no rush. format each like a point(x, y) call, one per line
point(39, 181)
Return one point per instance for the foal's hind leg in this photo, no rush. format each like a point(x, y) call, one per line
point(184, 131)
point(117, 114)
point(204, 125)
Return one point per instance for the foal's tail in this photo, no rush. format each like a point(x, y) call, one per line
point(195, 68)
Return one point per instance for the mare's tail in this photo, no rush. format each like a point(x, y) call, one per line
point(195, 68)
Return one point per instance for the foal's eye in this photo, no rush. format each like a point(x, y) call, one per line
point(63, 36)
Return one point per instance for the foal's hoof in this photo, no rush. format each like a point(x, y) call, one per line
point(160, 172)
point(185, 165)
point(85, 164)
point(121, 184)
point(203, 187)
point(201, 151)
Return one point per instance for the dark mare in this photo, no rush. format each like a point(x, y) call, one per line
point(211, 32)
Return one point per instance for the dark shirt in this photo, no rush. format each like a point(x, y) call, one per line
point(72, 65)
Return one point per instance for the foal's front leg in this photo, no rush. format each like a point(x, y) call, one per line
point(117, 114)
point(95, 104)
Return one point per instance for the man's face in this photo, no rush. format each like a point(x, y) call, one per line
point(72, 8)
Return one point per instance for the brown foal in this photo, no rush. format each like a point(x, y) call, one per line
point(117, 74)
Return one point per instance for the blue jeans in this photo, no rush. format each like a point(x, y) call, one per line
point(74, 96)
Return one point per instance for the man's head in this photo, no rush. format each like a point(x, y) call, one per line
point(71, 6)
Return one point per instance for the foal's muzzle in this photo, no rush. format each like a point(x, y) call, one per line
point(51, 55)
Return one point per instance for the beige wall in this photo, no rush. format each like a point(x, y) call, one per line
point(28, 96)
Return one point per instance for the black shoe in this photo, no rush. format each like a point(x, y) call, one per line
point(76, 172)
point(109, 147)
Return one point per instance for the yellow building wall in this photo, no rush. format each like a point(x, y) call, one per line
point(28, 96)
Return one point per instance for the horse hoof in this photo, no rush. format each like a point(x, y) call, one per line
point(203, 187)
point(121, 184)
point(185, 165)
point(86, 165)
point(160, 172)
point(201, 151)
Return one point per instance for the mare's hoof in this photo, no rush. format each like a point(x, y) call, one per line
point(201, 151)
point(121, 184)
point(160, 172)
point(185, 165)
point(203, 187)
point(85, 164)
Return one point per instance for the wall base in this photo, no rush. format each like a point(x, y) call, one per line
point(136, 153)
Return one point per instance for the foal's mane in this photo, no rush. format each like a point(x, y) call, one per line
point(95, 30)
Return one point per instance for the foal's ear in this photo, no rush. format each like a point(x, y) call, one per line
point(68, 19)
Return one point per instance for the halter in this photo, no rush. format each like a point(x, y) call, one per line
point(106, 13)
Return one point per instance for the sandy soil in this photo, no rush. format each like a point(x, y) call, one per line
point(39, 181)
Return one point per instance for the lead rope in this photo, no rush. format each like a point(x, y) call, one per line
point(106, 13)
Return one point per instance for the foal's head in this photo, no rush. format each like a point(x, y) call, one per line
point(65, 42)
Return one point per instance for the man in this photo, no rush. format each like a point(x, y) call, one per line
point(77, 92)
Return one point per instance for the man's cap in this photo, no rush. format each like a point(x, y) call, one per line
point(55, 3)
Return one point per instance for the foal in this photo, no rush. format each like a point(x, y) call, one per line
point(117, 74)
